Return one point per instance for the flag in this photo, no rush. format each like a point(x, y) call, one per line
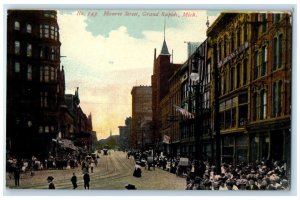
point(184, 112)
point(166, 139)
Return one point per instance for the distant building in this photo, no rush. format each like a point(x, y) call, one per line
point(141, 113)
point(125, 132)
point(82, 127)
point(191, 48)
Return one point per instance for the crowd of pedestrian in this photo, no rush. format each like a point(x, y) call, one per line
point(252, 176)
point(200, 175)
point(15, 166)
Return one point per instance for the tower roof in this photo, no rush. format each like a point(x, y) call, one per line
point(164, 49)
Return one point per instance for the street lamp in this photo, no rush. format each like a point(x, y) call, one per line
point(196, 81)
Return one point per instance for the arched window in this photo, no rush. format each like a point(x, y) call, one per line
point(280, 51)
point(29, 50)
point(17, 67)
point(17, 47)
point(17, 25)
point(264, 56)
point(275, 54)
point(263, 104)
point(28, 28)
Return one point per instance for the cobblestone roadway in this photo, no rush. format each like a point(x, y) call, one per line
point(114, 171)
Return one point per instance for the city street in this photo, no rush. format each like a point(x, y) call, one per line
point(114, 171)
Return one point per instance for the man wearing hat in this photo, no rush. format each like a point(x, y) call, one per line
point(51, 185)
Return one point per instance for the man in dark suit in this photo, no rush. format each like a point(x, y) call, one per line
point(86, 179)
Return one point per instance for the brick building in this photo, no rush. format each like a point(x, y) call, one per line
point(163, 69)
point(252, 55)
point(35, 82)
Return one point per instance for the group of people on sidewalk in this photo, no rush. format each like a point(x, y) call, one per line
point(252, 176)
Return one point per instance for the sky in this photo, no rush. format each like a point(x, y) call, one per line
point(105, 55)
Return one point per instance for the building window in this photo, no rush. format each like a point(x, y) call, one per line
point(41, 31)
point(17, 67)
point(52, 31)
point(208, 73)
point(264, 55)
point(17, 25)
point(245, 33)
point(232, 42)
point(225, 46)
point(44, 99)
point(52, 74)
point(264, 22)
point(41, 52)
point(55, 34)
point(52, 56)
point(17, 47)
point(275, 55)
point(41, 129)
point(255, 106)
point(279, 95)
point(274, 103)
point(245, 72)
point(280, 49)
point(29, 72)
point(44, 74)
point(263, 105)
point(238, 75)
point(46, 31)
point(47, 129)
point(29, 50)
point(238, 37)
point(276, 18)
point(28, 28)
point(256, 65)
point(276, 99)
point(232, 78)
point(277, 52)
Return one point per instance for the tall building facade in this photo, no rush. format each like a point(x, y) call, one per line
point(141, 115)
point(251, 54)
point(35, 82)
point(195, 99)
point(163, 69)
